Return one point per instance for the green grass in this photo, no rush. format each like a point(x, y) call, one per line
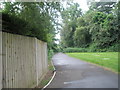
point(50, 67)
point(48, 77)
point(106, 59)
point(45, 82)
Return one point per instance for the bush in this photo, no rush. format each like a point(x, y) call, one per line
point(13, 24)
point(68, 50)
point(50, 54)
point(92, 48)
point(115, 48)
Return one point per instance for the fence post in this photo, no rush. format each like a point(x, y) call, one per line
point(36, 58)
point(0, 60)
point(46, 56)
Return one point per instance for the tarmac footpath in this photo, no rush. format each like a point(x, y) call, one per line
point(74, 73)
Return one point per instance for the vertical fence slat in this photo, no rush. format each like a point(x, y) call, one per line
point(0, 60)
point(24, 61)
point(12, 79)
point(3, 59)
point(36, 61)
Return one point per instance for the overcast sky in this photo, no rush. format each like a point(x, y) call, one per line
point(83, 4)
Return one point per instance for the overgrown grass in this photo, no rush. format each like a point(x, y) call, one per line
point(48, 76)
point(45, 82)
point(50, 66)
point(106, 59)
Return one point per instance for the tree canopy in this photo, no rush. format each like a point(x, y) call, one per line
point(98, 28)
point(36, 19)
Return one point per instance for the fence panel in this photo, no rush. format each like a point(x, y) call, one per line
point(24, 61)
point(0, 60)
point(40, 61)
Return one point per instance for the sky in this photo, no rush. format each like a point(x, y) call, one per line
point(83, 6)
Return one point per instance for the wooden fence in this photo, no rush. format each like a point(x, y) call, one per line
point(24, 61)
point(0, 60)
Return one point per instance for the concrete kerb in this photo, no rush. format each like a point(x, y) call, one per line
point(51, 78)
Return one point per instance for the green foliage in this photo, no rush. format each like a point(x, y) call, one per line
point(69, 16)
point(81, 22)
point(104, 32)
point(92, 48)
point(36, 19)
point(82, 37)
point(101, 6)
point(40, 23)
point(96, 30)
point(115, 47)
point(99, 17)
point(14, 24)
point(50, 54)
point(112, 48)
point(68, 50)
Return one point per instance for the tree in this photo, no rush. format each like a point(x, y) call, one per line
point(101, 6)
point(69, 16)
point(98, 28)
point(36, 19)
point(82, 37)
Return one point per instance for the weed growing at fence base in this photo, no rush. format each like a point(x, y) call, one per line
point(48, 76)
point(106, 59)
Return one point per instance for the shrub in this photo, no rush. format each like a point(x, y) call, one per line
point(50, 54)
point(115, 48)
point(68, 50)
point(13, 24)
point(92, 48)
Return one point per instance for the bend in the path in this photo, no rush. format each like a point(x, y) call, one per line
point(74, 73)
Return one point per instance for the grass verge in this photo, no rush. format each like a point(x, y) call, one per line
point(106, 59)
point(48, 76)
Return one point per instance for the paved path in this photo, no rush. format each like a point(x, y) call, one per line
point(74, 73)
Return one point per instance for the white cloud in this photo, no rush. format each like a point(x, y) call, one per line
point(83, 4)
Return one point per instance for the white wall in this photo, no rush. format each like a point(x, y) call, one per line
point(24, 61)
